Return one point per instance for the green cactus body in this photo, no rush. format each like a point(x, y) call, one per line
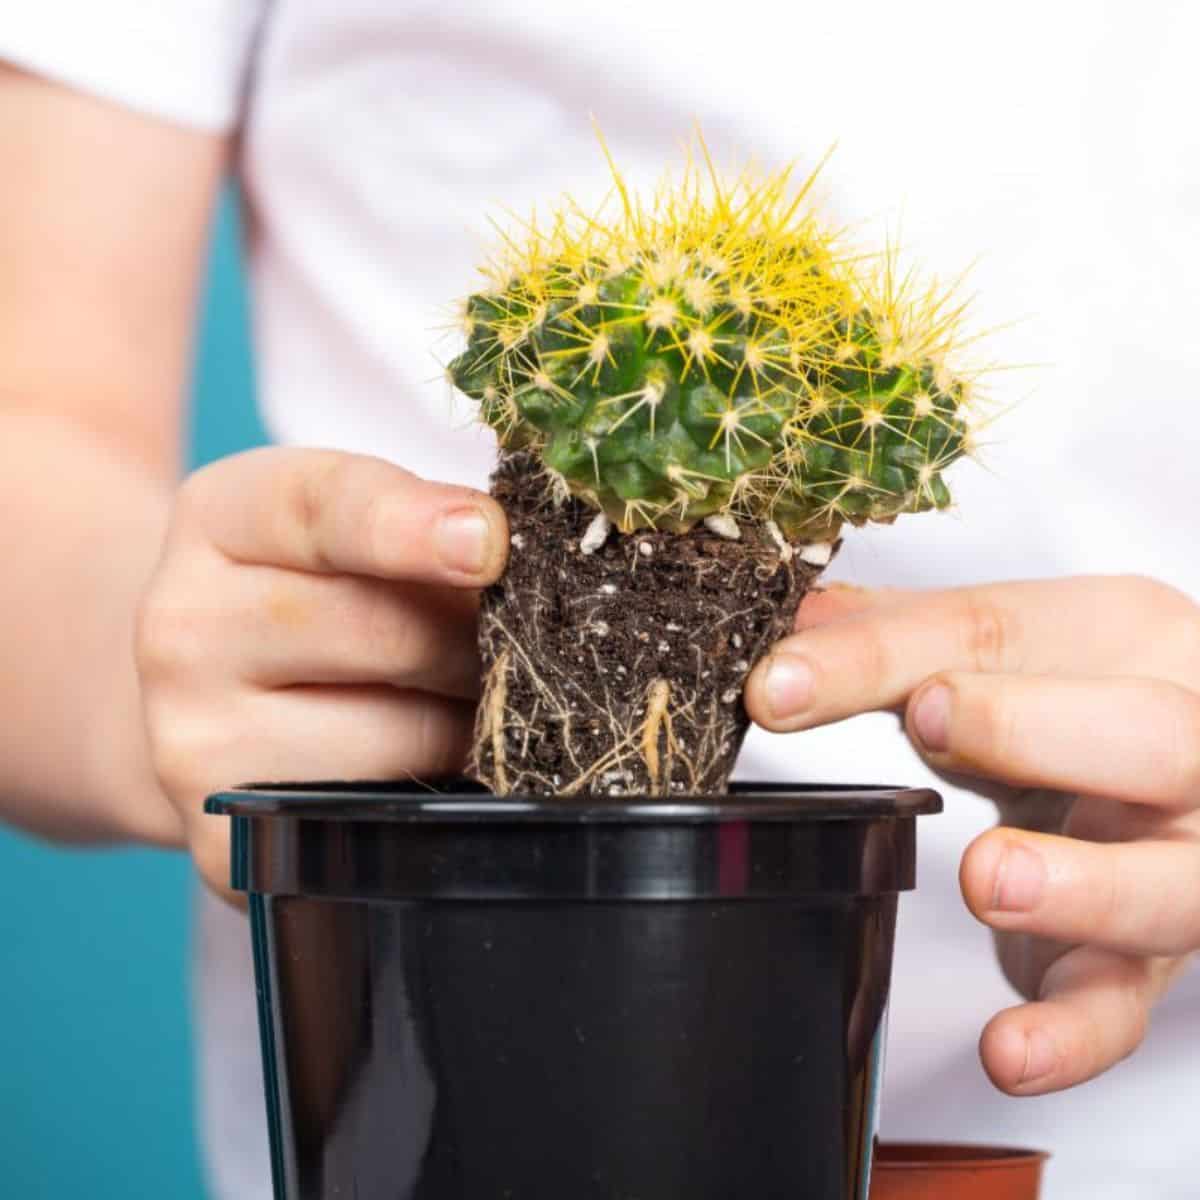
point(716, 355)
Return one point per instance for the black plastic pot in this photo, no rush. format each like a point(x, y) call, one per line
point(472, 998)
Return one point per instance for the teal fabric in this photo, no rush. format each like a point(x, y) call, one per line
point(96, 1076)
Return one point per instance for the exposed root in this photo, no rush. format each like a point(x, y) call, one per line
point(658, 719)
point(491, 709)
point(620, 671)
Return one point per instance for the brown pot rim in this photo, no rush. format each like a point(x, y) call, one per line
point(952, 1156)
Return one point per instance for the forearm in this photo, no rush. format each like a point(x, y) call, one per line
point(103, 220)
point(82, 528)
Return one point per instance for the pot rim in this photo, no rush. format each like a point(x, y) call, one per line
point(954, 1156)
point(461, 801)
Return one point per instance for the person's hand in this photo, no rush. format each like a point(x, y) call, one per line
point(1083, 697)
point(313, 616)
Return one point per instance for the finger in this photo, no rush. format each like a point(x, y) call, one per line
point(835, 601)
point(293, 628)
point(338, 513)
point(1093, 1013)
point(1135, 898)
point(307, 733)
point(1136, 740)
point(875, 659)
point(358, 732)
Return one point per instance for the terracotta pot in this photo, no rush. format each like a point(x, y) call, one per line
point(916, 1171)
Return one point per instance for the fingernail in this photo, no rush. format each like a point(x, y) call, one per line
point(1040, 1056)
point(1020, 881)
point(461, 539)
point(788, 686)
point(931, 718)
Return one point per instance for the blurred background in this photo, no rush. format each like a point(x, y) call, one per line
point(103, 1108)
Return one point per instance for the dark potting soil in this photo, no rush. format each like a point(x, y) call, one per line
point(621, 671)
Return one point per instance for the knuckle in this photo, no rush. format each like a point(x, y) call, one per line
point(990, 632)
point(165, 637)
point(876, 656)
point(314, 495)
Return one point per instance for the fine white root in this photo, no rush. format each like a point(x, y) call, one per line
point(776, 535)
point(818, 554)
point(595, 535)
point(723, 525)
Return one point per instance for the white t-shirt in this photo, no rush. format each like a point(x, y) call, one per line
point(1058, 141)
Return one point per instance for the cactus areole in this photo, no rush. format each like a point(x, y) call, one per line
point(693, 395)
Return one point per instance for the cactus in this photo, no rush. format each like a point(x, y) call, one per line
point(717, 355)
point(728, 382)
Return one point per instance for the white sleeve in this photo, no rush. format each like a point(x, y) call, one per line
point(184, 60)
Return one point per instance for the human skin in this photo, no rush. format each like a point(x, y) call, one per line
point(1075, 705)
point(292, 612)
point(282, 612)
